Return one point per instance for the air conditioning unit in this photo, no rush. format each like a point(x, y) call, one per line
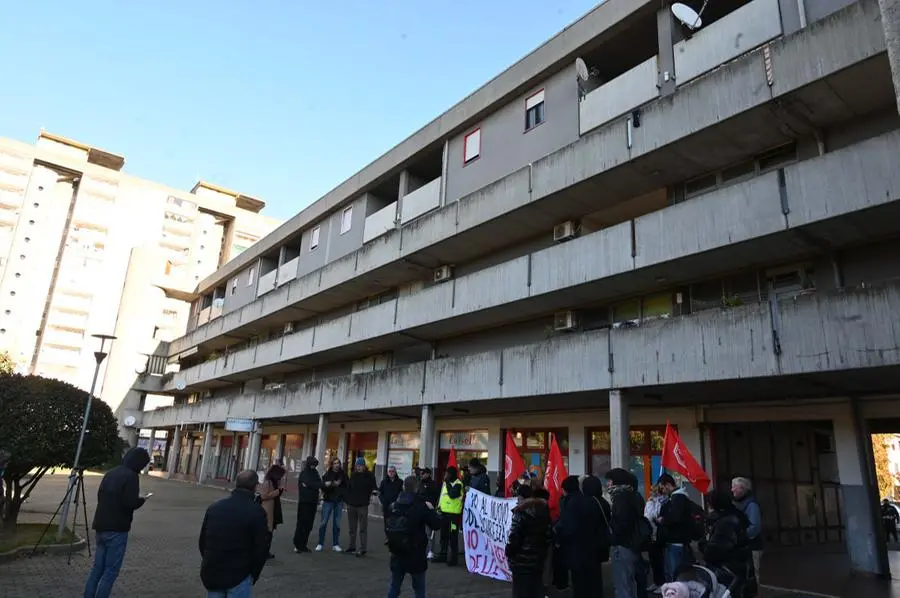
point(443, 274)
point(289, 328)
point(564, 231)
point(564, 321)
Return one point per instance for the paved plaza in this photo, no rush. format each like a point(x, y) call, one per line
point(163, 559)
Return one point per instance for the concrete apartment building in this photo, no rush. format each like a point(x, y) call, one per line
point(87, 249)
point(701, 227)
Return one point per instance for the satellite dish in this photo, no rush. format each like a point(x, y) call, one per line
point(581, 69)
point(180, 385)
point(689, 17)
point(130, 421)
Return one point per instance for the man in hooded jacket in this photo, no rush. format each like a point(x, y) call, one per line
point(118, 497)
point(627, 538)
point(583, 535)
point(309, 483)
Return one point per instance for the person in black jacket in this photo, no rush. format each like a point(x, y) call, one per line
point(118, 497)
point(428, 487)
point(627, 512)
point(360, 488)
point(334, 482)
point(477, 477)
point(579, 533)
point(308, 485)
point(389, 490)
point(675, 527)
point(728, 545)
point(528, 544)
point(234, 541)
point(419, 514)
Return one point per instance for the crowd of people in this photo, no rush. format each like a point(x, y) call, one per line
point(561, 545)
point(568, 549)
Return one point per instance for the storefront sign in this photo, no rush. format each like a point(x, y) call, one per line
point(474, 440)
point(486, 523)
point(402, 460)
point(233, 424)
point(404, 440)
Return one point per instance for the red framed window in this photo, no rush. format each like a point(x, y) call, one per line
point(472, 146)
point(534, 446)
point(645, 459)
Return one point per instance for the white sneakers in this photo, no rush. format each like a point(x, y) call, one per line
point(336, 549)
point(318, 548)
point(430, 555)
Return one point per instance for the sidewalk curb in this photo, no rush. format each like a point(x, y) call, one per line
point(16, 553)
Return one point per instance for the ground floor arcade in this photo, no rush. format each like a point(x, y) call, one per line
point(810, 460)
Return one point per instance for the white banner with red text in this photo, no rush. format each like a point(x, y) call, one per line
point(486, 523)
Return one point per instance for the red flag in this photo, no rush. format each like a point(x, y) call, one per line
point(514, 466)
point(451, 462)
point(676, 457)
point(554, 476)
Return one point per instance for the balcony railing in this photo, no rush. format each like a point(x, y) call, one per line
point(267, 282)
point(380, 222)
point(288, 271)
point(621, 95)
point(421, 201)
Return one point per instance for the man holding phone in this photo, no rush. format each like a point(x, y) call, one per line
point(118, 498)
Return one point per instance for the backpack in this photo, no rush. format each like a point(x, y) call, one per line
point(397, 530)
point(696, 522)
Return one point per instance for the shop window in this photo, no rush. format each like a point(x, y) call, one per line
point(645, 459)
point(534, 446)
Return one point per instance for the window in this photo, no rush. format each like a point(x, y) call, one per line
point(314, 238)
point(233, 285)
point(472, 146)
point(534, 110)
point(346, 219)
point(251, 274)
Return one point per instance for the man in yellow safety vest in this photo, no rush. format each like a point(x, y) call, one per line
point(450, 507)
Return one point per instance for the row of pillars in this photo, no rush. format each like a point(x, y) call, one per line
point(619, 438)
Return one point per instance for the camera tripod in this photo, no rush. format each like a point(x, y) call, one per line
point(76, 490)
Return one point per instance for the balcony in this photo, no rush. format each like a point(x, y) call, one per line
point(63, 338)
point(421, 201)
point(718, 119)
point(699, 238)
point(66, 302)
point(380, 222)
point(827, 337)
point(623, 94)
point(63, 319)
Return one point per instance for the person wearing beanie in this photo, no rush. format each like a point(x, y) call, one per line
point(528, 543)
point(309, 483)
point(477, 478)
point(358, 495)
point(631, 534)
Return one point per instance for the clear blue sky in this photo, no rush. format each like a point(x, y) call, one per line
point(278, 99)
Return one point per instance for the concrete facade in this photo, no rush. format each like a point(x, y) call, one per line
point(703, 233)
point(87, 249)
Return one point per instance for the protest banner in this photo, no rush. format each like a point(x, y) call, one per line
point(486, 523)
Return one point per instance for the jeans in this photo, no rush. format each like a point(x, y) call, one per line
point(107, 561)
point(676, 556)
point(358, 518)
point(418, 583)
point(242, 590)
point(625, 566)
point(331, 510)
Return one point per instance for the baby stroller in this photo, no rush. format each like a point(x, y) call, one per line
point(703, 582)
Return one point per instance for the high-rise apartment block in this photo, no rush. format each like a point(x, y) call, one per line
point(644, 220)
point(87, 249)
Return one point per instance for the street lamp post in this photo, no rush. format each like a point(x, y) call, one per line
point(99, 356)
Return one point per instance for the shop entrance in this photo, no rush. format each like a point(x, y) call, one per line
point(471, 444)
point(361, 444)
point(794, 470)
point(884, 460)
